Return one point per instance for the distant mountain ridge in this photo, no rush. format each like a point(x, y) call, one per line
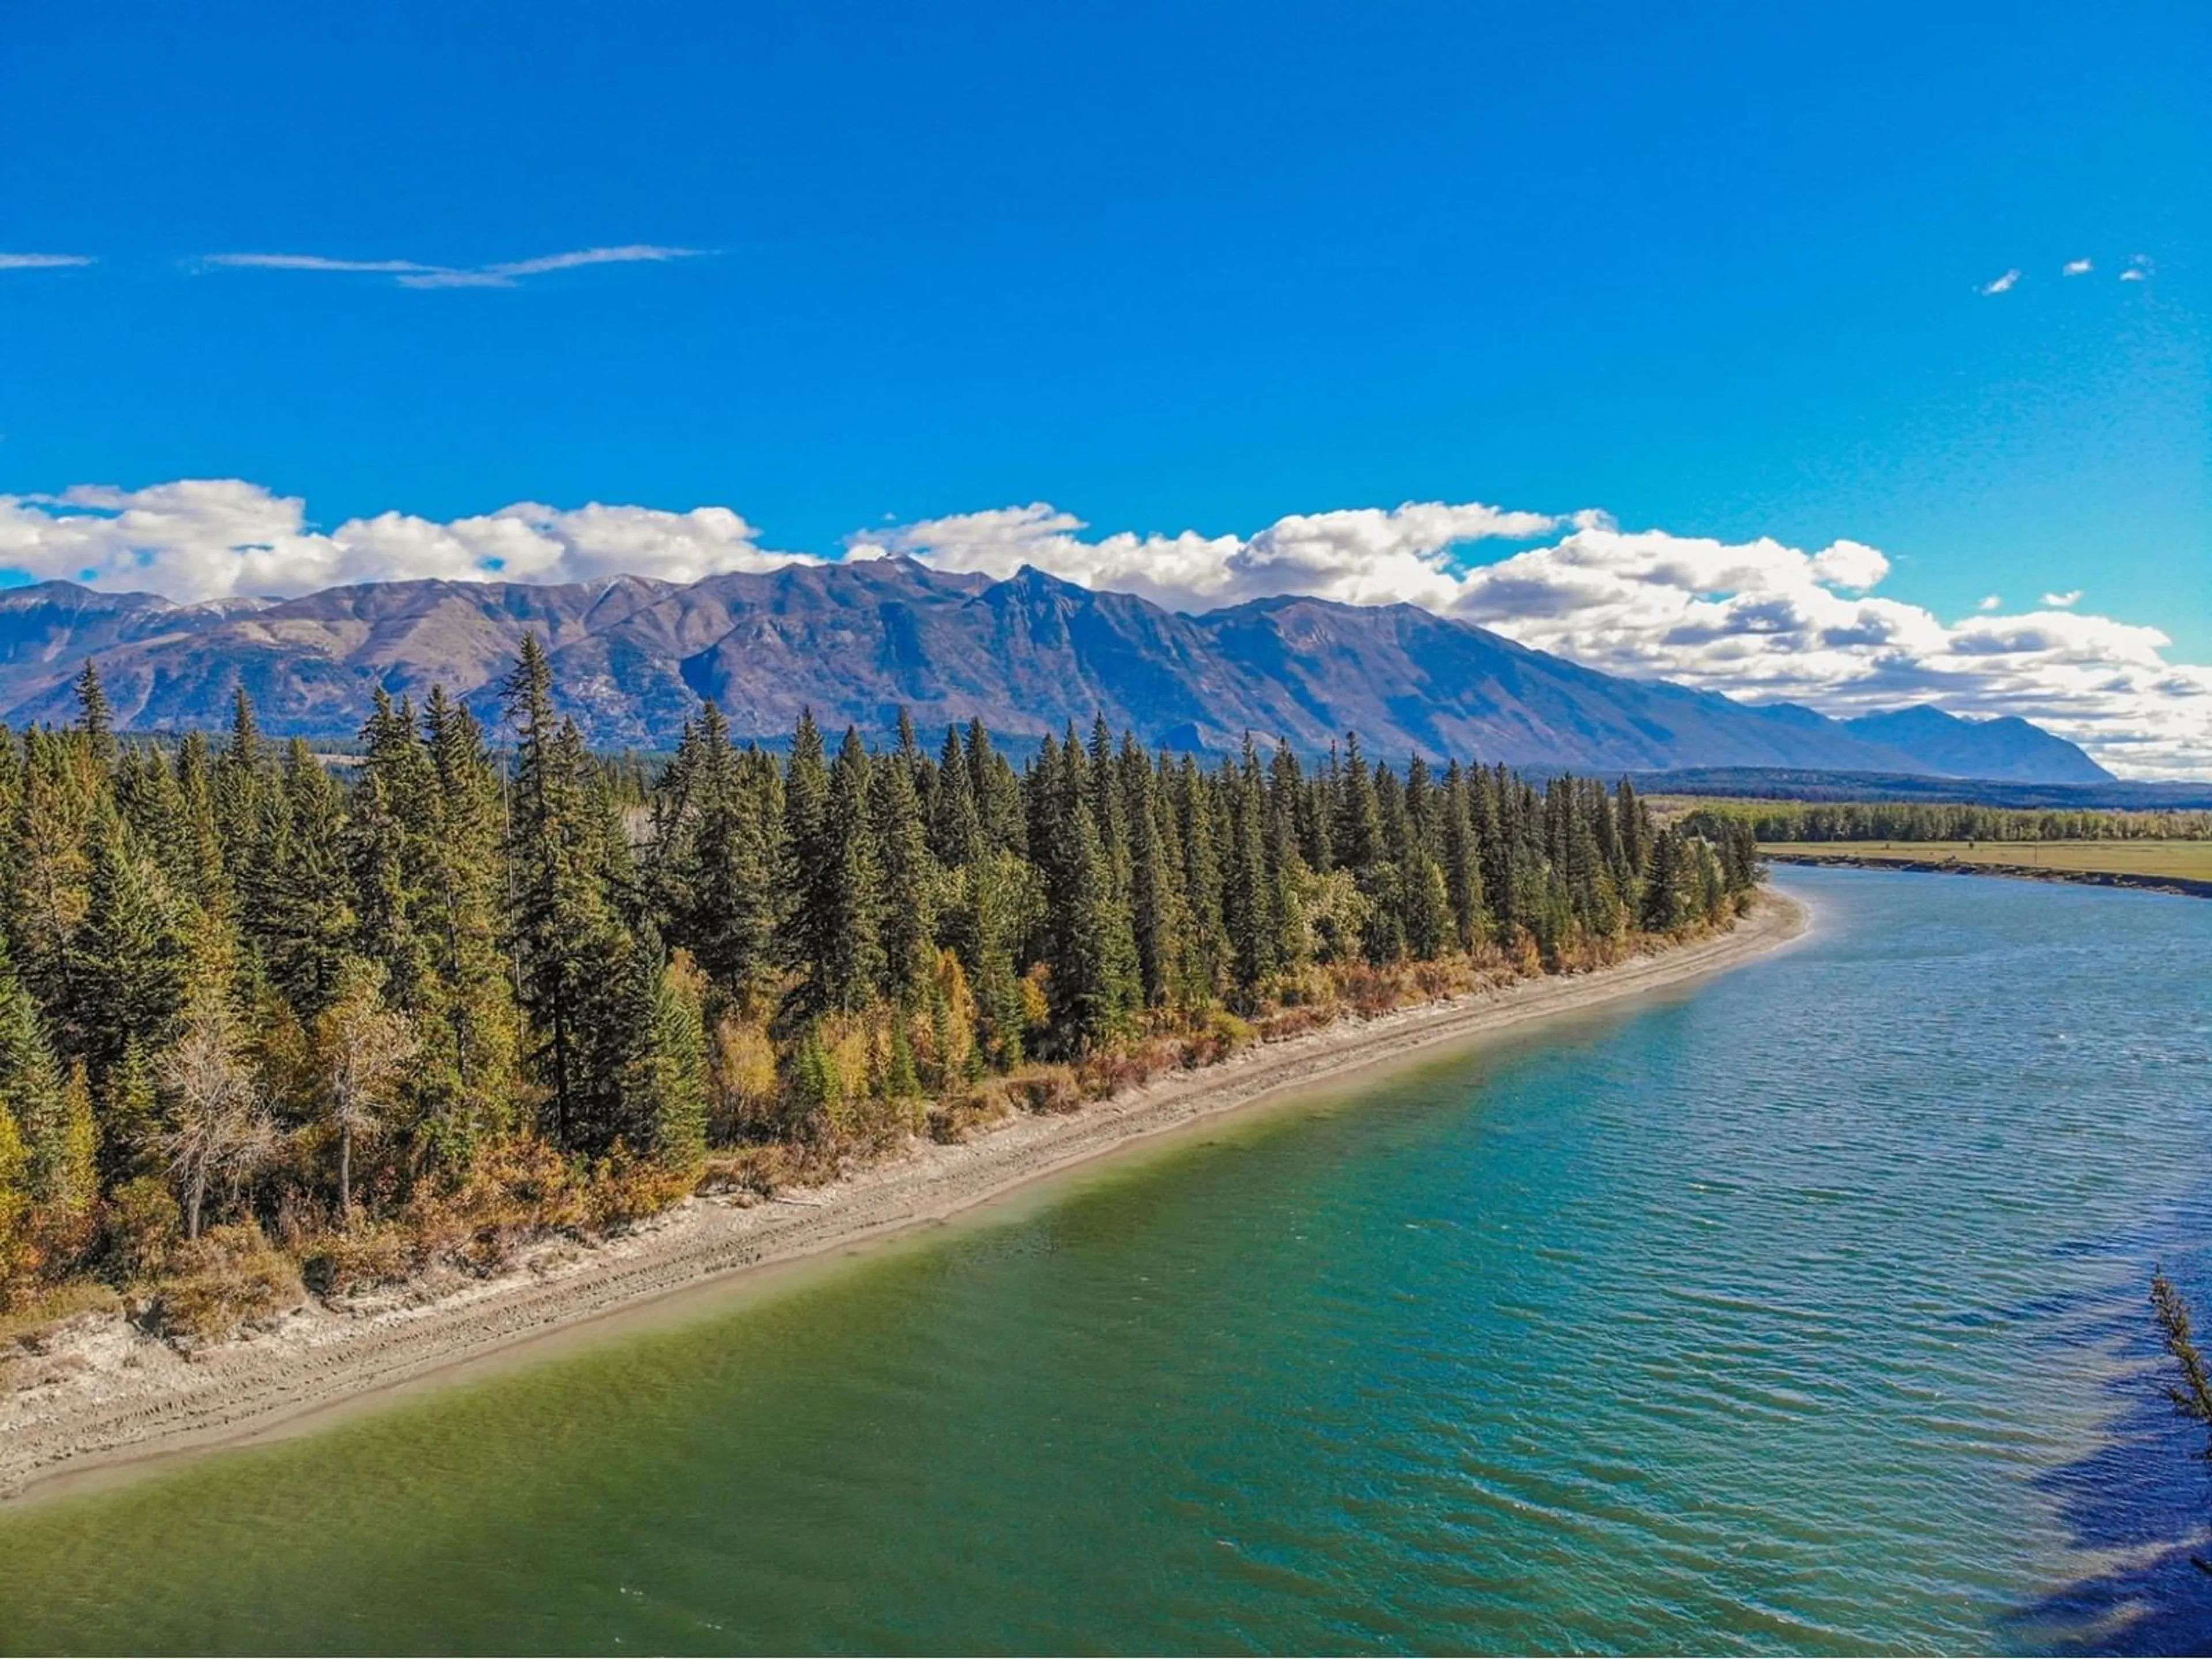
point(2009, 749)
point(856, 642)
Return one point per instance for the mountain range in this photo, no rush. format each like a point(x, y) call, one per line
point(856, 642)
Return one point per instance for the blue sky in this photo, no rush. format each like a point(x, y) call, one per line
point(1717, 271)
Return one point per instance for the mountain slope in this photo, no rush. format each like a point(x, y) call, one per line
point(1445, 688)
point(48, 628)
point(857, 642)
point(2009, 749)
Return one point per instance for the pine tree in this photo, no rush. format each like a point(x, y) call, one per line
point(51, 869)
point(130, 961)
point(127, 1117)
point(296, 915)
point(956, 831)
point(1356, 828)
point(239, 773)
point(910, 877)
point(1666, 905)
point(721, 865)
point(192, 854)
point(54, 1171)
point(1210, 958)
point(807, 858)
point(1462, 859)
point(95, 717)
point(1086, 1005)
point(469, 1022)
point(1630, 820)
point(392, 823)
point(663, 1086)
point(1246, 888)
point(1158, 920)
point(565, 937)
point(848, 887)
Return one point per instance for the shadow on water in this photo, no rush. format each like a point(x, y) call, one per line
point(2140, 1505)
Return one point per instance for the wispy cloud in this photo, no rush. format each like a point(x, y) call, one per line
point(314, 262)
point(505, 276)
point(2062, 601)
point(2139, 269)
point(415, 273)
point(1991, 602)
point(43, 261)
point(2002, 283)
point(2077, 268)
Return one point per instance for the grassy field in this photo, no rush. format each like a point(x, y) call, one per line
point(2190, 860)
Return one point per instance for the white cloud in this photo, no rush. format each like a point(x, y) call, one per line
point(311, 262)
point(1760, 619)
point(2138, 269)
point(202, 538)
point(2002, 283)
point(43, 261)
point(2077, 268)
point(1757, 619)
point(1991, 602)
point(1363, 555)
point(410, 273)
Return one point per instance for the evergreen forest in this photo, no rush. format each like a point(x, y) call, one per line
point(1912, 821)
point(264, 1013)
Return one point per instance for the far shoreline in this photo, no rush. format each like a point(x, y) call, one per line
point(129, 1402)
point(2176, 886)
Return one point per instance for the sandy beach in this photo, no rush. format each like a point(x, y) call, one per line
point(101, 1393)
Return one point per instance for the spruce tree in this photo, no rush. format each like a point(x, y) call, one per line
point(55, 1137)
point(297, 915)
point(1461, 858)
point(720, 886)
point(1199, 820)
point(50, 874)
point(662, 1082)
point(565, 938)
point(96, 716)
point(1086, 1003)
point(808, 864)
point(130, 961)
point(1246, 898)
point(848, 887)
point(469, 1020)
point(909, 879)
point(1666, 905)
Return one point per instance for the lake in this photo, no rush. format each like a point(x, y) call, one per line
point(1803, 1311)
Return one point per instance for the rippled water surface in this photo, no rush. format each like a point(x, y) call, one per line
point(1801, 1311)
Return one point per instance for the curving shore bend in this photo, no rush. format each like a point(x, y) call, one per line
point(113, 1396)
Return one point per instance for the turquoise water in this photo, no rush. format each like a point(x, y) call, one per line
point(1799, 1312)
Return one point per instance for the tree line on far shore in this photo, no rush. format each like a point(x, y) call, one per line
point(257, 1010)
point(1911, 821)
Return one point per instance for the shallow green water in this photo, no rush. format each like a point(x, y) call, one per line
point(1800, 1312)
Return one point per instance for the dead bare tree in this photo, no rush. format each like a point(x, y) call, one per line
point(217, 1125)
point(369, 1046)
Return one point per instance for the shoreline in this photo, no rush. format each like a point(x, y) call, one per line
point(111, 1397)
point(2178, 886)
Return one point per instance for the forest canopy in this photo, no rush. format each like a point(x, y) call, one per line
point(258, 1009)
